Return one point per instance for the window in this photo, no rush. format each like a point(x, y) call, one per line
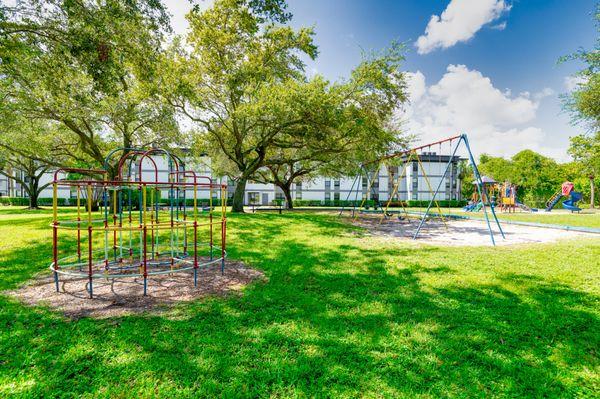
point(327, 196)
point(327, 184)
point(336, 196)
point(336, 184)
point(253, 197)
point(279, 195)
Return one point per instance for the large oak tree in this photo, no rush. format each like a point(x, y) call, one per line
point(241, 79)
point(89, 65)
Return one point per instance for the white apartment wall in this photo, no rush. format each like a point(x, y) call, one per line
point(319, 189)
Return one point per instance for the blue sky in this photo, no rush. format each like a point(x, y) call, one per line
point(484, 67)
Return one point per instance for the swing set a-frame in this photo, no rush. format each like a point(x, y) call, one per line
point(402, 159)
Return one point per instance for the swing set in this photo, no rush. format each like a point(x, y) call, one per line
point(368, 181)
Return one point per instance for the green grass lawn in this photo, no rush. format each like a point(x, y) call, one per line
point(341, 315)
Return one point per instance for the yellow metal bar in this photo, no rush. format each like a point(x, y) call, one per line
point(223, 202)
point(400, 177)
point(115, 202)
point(437, 205)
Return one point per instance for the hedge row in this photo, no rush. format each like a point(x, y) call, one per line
point(24, 201)
point(372, 203)
point(203, 202)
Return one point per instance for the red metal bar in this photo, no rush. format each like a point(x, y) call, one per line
point(404, 152)
point(145, 232)
point(128, 183)
point(154, 150)
point(223, 236)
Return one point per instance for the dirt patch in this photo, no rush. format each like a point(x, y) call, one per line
point(462, 232)
point(118, 297)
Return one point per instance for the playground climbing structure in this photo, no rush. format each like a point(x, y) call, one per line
point(123, 229)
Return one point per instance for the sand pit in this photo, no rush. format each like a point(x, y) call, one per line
point(463, 232)
point(118, 297)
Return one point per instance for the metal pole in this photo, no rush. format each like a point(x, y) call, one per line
point(348, 196)
point(437, 189)
point(484, 194)
point(55, 232)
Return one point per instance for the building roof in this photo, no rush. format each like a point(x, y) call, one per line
point(486, 180)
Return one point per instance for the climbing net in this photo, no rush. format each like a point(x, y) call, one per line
point(124, 229)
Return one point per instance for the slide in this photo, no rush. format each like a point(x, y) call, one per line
point(473, 207)
point(553, 201)
point(525, 207)
point(469, 207)
point(571, 203)
point(565, 190)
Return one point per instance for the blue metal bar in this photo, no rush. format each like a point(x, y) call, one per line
point(437, 189)
point(479, 181)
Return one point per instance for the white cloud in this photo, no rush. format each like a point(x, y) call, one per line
point(500, 26)
point(178, 10)
point(465, 101)
point(573, 82)
point(459, 22)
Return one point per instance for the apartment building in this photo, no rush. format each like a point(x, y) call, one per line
point(415, 182)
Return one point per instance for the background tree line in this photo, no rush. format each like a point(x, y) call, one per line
point(537, 177)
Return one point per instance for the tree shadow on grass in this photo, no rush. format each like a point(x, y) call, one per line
point(336, 321)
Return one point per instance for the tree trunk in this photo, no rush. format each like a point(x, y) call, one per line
point(287, 192)
point(238, 196)
point(33, 201)
point(33, 193)
point(592, 192)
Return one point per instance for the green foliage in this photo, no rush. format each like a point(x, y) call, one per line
point(42, 201)
point(537, 177)
point(584, 100)
point(242, 81)
point(90, 66)
point(341, 314)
